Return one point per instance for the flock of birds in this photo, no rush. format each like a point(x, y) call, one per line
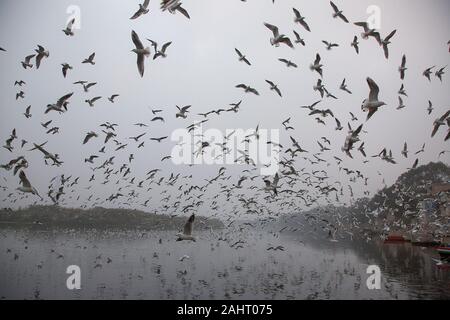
point(294, 186)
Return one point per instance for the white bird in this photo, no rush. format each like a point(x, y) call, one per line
point(143, 9)
point(90, 59)
point(368, 32)
point(41, 53)
point(26, 185)
point(385, 42)
point(140, 51)
point(182, 112)
point(187, 232)
point(278, 38)
point(317, 66)
point(26, 63)
point(338, 13)
point(299, 19)
point(69, 28)
point(371, 104)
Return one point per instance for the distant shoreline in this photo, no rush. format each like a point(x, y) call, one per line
point(98, 218)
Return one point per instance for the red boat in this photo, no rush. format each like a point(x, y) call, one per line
point(395, 238)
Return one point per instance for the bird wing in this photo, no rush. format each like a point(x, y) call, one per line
point(165, 46)
point(189, 225)
point(272, 28)
point(24, 180)
point(183, 11)
point(335, 8)
point(137, 42)
point(373, 95)
point(238, 52)
point(63, 99)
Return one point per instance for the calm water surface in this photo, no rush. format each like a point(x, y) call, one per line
point(146, 265)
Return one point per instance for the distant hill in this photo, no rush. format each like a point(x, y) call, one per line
point(99, 218)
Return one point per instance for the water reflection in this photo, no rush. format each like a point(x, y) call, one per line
point(146, 265)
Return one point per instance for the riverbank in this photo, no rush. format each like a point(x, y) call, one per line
point(98, 218)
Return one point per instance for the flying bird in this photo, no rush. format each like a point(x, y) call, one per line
point(140, 51)
point(278, 38)
point(371, 104)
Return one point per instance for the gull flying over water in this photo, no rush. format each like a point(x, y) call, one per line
point(273, 86)
point(187, 231)
point(26, 63)
point(371, 104)
point(301, 20)
point(368, 32)
point(338, 13)
point(90, 59)
point(385, 42)
point(143, 9)
point(173, 6)
point(69, 28)
point(41, 53)
point(140, 51)
point(278, 38)
point(242, 57)
point(26, 185)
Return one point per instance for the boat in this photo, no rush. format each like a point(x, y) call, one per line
point(395, 238)
point(444, 253)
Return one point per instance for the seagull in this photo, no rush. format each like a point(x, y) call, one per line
point(343, 87)
point(416, 162)
point(173, 6)
point(187, 232)
point(247, 89)
point(242, 57)
point(371, 104)
point(428, 72)
point(402, 91)
point(440, 72)
point(140, 51)
point(298, 39)
point(355, 44)
point(27, 113)
point(162, 52)
point(351, 139)
point(319, 87)
point(299, 19)
point(288, 63)
point(385, 42)
point(92, 101)
point(89, 136)
point(111, 99)
point(430, 107)
point(405, 150)
point(439, 122)
point(421, 149)
point(368, 32)
point(338, 125)
point(41, 53)
point(330, 45)
point(90, 59)
point(337, 12)
point(19, 83)
point(143, 9)
point(26, 63)
point(60, 104)
point(86, 85)
point(317, 66)
point(272, 186)
point(401, 105)
point(26, 185)
point(182, 112)
point(69, 28)
point(65, 67)
point(402, 68)
point(277, 37)
point(20, 94)
point(273, 86)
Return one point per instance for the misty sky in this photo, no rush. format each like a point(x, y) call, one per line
point(202, 70)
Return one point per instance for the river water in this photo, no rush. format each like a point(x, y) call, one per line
point(147, 265)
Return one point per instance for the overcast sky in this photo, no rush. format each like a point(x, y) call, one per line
point(202, 70)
